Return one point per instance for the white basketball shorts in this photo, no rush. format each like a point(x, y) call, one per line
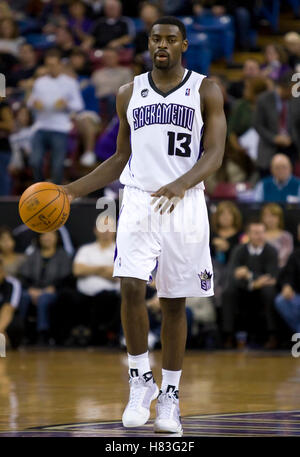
point(173, 247)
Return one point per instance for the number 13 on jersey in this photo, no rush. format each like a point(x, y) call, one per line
point(183, 140)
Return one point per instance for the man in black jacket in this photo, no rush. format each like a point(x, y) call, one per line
point(287, 302)
point(250, 291)
point(43, 273)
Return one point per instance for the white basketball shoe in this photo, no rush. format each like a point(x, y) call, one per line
point(168, 418)
point(143, 389)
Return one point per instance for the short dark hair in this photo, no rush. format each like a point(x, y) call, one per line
point(255, 220)
point(171, 20)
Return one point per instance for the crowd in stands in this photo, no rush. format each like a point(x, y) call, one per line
point(64, 61)
point(61, 296)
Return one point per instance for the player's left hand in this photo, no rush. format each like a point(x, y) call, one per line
point(168, 197)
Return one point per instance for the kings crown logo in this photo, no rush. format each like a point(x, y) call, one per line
point(205, 279)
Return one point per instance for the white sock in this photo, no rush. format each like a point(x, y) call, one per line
point(138, 364)
point(170, 380)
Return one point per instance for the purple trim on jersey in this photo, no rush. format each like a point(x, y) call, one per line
point(155, 268)
point(116, 248)
point(201, 147)
point(116, 252)
point(129, 162)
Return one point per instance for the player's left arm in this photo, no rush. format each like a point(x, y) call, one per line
point(214, 137)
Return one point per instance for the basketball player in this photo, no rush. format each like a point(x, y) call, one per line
point(171, 138)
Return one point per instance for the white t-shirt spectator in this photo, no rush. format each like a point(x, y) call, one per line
point(93, 255)
point(20, 143)
point(49, 90)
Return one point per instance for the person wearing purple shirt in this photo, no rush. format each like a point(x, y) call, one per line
point(78, 21)
point(275, 62)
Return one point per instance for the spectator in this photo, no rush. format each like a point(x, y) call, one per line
point(273, 218)
point(107, 142)
point(276, 62)
point(242, 137)
point(149, 13)
point(43, 273)
point(79, 23)
point(282, 186)
point(80, 64)
point(10, 295)
point(108, 80)
point(5, 10)
point(26, 240)
point(276, 120)
point(112, 30)
point(250, 290)
point(250, 70)
point(99, 291)
point(6, 127)
point(20, 141)
point(53, 14)
point(10, 39)
point(292, 45)
point(223, 84)
point(11, 260)
point(88, 122)
point(287, 302)
point(53, 97)
point(64, 41)
point(226, 225)
point(26, 69)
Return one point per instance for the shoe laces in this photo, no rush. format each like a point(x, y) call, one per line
point(165, 403)
point(137, 386)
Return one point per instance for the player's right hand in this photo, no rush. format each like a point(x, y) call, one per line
point(71, 196)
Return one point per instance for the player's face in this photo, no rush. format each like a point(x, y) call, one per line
point(166, 46)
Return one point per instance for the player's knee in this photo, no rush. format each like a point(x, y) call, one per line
point(133, 290)
point(173, 306)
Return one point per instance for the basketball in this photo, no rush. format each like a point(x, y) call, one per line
point(44, 207)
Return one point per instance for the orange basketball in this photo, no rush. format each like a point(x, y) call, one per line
point(44, 207)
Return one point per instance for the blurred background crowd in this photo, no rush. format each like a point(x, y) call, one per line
point(64, 61)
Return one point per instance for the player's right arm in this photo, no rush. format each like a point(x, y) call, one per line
point(111, 169)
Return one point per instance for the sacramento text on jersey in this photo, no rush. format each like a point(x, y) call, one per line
point(161, 113)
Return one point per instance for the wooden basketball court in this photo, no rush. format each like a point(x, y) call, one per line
point(83, 393)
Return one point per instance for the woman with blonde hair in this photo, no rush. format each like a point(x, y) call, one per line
point(273, 218)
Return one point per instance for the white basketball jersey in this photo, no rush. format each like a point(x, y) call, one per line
point(166, 132)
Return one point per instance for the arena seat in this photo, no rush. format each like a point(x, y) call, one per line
point(40, 41)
